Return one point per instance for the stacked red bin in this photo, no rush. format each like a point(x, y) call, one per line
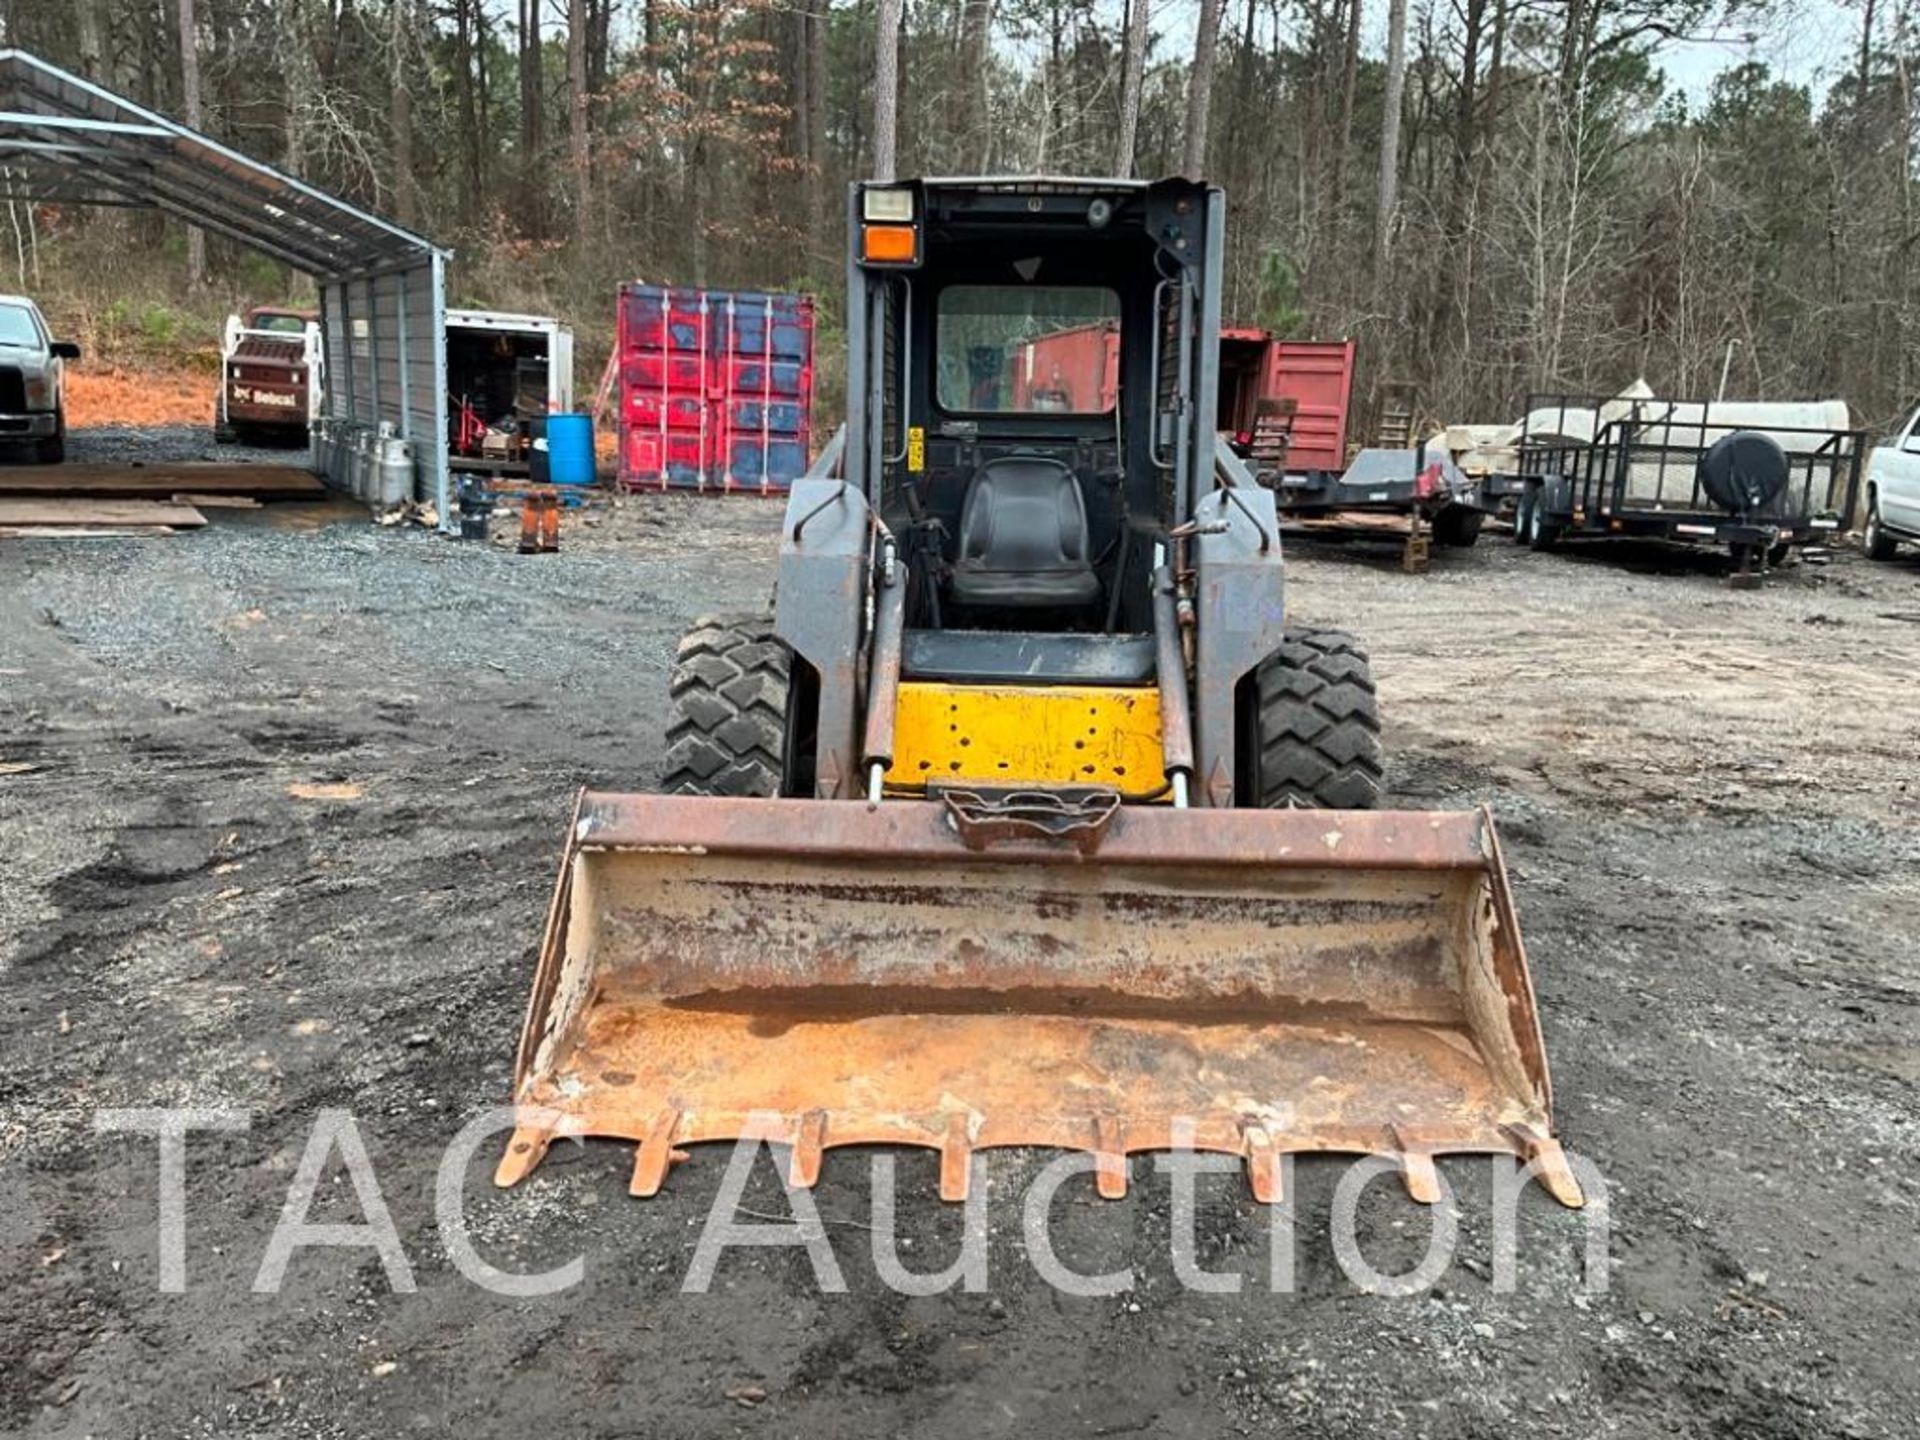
point(715, 389)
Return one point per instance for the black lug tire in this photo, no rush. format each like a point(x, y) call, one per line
point(732, 680)
point(1458, 526)
point(1315, 722)
point(1878, 544)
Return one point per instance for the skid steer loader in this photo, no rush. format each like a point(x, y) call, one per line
point(1024, 820)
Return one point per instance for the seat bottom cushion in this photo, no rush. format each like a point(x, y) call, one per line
point(1027, 589)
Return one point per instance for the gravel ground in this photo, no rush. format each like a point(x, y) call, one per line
point(1709, 804)
point(172, 444)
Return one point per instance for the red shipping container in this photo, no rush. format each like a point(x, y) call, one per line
point(715, 389)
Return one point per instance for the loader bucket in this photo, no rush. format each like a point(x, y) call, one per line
point(824, 973)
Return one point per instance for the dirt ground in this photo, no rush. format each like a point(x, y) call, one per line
point(120, 395)
point(1710, 802)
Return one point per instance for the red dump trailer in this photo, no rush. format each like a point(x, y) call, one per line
point(1076, 370)
point(715, 389)
point(1315, 374)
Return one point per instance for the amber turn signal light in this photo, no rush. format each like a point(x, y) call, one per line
point(895, 244)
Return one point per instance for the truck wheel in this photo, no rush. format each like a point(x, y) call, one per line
point(53, 451)
point(1458, 526)
point(1875, 540)
point(734, 695)
point(1311, 727)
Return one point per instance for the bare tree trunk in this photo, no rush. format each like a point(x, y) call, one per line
point(976, 24)
point(190, 112)
point(302, 69)
point(406, 193)
point(532, 137)
point(1206, 47)
point(579, 137)
point(1864, 72)
point(886, 89)
point(818, 13)
point(1390, 133)
point(92, 47)
point(472, 163)
point(1133, 71)
point(599, 38)
point(297, 59)
point(800, 82)
point(1343, 146)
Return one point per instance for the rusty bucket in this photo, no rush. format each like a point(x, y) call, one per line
point(823, 973)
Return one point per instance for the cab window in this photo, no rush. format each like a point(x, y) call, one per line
point(17, 329)
point(1027, 349)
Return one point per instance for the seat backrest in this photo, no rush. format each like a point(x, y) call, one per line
point(1023, 515)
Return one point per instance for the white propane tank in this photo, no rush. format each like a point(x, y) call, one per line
point(395, 476)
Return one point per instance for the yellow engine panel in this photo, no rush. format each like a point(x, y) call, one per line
point(1028, 735)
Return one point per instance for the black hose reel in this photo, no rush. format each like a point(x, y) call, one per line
point(1744, 472)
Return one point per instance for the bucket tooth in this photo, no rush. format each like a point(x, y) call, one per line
point(1549, 1162)
point(1416, 1167)
point(809, 1145)
point(956, 1157)
point(655, 1155)
point(1422, 1180)
point(525, 1151)
point(1110, 1157)
point(1264, 1169)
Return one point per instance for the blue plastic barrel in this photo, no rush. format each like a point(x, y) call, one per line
point(570, 450)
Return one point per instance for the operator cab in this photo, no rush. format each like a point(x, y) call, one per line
point(1028, 340)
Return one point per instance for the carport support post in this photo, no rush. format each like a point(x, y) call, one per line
point(373, 345)
point(346, 350)
point(406, 354)
point(438, 343)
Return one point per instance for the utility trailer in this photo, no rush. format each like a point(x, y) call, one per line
point(272, 375)
point(1416, 495)
point(505, 374)
point(1283, 408)
point(1712, 474)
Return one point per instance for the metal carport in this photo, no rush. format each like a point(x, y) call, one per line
point(67, 141)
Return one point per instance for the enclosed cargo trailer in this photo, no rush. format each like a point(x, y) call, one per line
point(505, 374)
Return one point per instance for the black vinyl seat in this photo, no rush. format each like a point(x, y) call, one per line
point(1023, 537)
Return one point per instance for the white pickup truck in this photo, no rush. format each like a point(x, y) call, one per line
point(1893, 493)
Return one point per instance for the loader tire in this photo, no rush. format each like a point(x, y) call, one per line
point(732, 691)
point(1314, 727)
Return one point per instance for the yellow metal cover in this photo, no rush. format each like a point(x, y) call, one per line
point(1028, 735)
